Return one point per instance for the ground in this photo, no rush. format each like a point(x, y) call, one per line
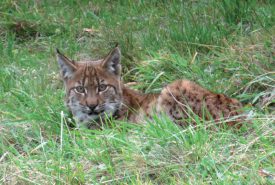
point(226, 46)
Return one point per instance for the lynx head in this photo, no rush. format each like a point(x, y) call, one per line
point(93, 88)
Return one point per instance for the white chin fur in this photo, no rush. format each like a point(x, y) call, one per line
point(84, 119)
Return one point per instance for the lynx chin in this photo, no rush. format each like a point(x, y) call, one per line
point(94, 92)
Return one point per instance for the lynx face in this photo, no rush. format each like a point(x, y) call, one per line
point(93, 89)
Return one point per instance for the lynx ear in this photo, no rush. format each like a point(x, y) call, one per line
point(67, 67)
point(112, 62)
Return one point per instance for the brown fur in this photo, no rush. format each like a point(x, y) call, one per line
point(180, 100)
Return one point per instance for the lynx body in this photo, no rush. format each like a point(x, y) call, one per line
point(94, 92)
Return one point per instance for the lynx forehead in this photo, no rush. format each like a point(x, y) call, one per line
point(94, 92)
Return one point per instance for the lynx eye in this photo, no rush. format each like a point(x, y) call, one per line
point(102, 87)
point(80, 89)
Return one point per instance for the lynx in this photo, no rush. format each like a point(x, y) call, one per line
point(95, 91)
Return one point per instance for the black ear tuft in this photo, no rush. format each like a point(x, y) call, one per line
point(112, 62)
point(67, 67)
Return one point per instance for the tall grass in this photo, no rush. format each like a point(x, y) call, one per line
point(226, 46)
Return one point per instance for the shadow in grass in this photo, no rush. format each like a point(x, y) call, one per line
point(24, 30)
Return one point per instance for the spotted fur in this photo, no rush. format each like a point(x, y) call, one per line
point(94, 92)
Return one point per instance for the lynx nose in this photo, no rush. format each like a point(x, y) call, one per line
point(92, 107)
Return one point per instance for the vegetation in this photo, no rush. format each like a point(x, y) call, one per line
point(227, 46)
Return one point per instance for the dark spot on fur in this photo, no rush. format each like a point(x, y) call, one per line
point(171, 111)
point(167, 102)
point(177, 97)
point(183, 91)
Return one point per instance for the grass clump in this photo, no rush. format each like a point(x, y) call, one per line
point(226, 46)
